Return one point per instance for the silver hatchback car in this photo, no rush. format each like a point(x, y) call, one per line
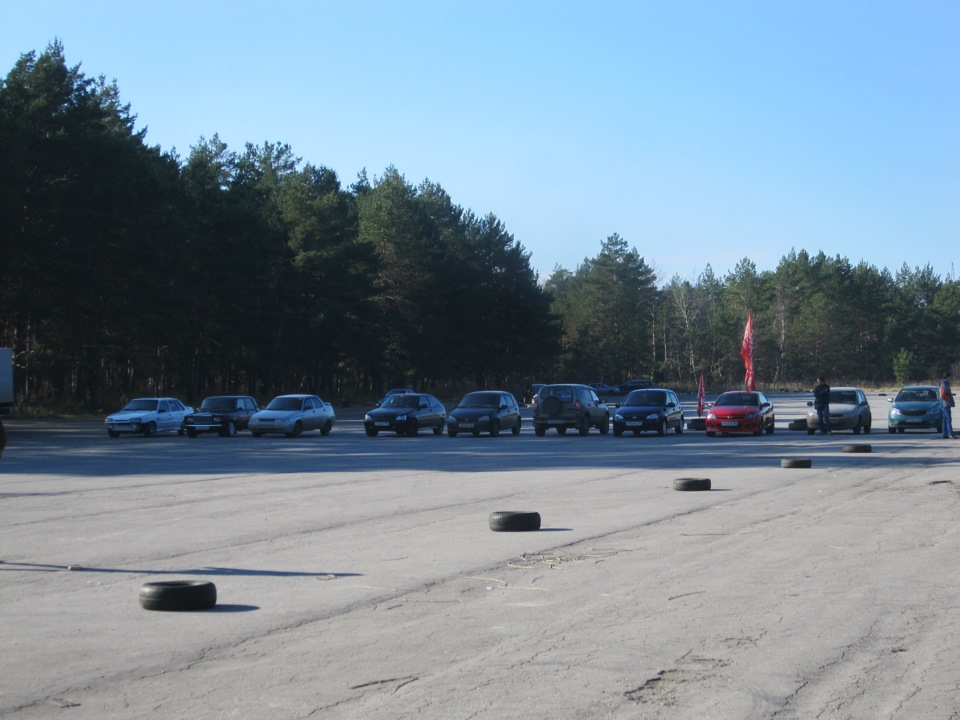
point(849, 410)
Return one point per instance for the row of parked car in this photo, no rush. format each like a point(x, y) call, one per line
point(559, 407)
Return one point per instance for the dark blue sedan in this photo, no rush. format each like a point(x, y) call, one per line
point(652, 409)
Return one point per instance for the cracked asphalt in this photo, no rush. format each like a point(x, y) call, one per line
point(358, 578)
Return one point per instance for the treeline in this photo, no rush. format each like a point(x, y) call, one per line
point(127, 270)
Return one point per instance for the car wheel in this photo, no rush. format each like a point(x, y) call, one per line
point(150, 429)
point(679, 428)
point(113, 433)
point(892, 430)
point(413, 427)
point(662, 428)
point(857, 428)
point(510, 521)
point(230, 430)
point(691, 484)
point(438, 430)
point(178, 595)
point(771, 427)
point(451, 433)
point(900, 430)
point(539, 430)
point(297, 430)
point(866, 429)
point(327, 427)
point(811, 431)
point(561, 429)
point(191, 433)
point(182, 430)
point(371, 431)
point(516, 428)
point(617, 432)
point(604, 427)
point(494, 428)
point(584, 428)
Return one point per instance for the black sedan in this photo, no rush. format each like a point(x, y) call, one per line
point(485, 411)
point(654, 409)
point(223, 414)
point(406, 414)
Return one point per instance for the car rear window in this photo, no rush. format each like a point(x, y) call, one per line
point(565, 394)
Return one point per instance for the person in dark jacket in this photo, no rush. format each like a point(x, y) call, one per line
point(821, 403)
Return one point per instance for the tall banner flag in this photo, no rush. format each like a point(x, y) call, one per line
point(700, 395)
point(746, 352)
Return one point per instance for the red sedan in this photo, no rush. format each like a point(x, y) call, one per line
point(740, 412)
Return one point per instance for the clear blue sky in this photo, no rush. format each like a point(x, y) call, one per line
point(701, 132)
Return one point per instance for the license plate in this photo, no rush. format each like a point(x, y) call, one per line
point(467, 426)
point(729, 423)
point(382, 424)
point(634, 423)
point(914, 420)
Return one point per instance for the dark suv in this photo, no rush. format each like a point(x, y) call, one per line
point(569, 406)
point(223, 414)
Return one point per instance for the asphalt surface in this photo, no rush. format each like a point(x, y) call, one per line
point(358, 578)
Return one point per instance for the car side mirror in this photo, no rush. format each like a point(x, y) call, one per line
point(889, 400)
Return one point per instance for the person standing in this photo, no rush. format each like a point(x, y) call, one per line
point(821, 402)
point(947, 401)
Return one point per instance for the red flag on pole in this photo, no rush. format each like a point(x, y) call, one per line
point(746, 352)
point(700, 395)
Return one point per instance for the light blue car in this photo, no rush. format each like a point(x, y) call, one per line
point(916, 407)
point(149, 416)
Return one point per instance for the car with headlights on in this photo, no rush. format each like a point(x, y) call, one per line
point(406, 414)
point(222, 414)
point(291, 415)
point(487, 411)
point(849, 410)
point(149, 416)
point(916, 407)
point(740, 412)
point(653, 410)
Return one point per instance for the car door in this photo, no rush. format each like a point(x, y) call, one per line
point(597, 408)
point(508, 410)
point(167, 416)
point(309, 414)
point(866, 418)
point(673, 411)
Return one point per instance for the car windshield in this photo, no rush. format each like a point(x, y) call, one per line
point(481, 400)
point(843, 397)
point(917, 395)
point(285, 403)
point(402, 401)
point(748, 399)
point(219, 404)
point(646, 397)
point(149, 405)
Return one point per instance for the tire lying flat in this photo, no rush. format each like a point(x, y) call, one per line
point(859, 448)
point(178, 595)
point(796, 463)
point(514, 521)
point(691, 484)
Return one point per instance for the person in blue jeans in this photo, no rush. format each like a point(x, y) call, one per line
point(821, 403)
point(947, 401)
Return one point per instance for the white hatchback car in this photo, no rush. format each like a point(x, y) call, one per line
point(148, 416)
point(849, 410)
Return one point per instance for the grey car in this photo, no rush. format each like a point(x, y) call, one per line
point(290, 415)
point(569, 406)
point(849, 410)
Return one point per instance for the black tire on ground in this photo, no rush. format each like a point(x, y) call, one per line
point(451, 433)
point(539, 430)
point(111, 433)
point(438, 430)
point(679, 428)
point(371, 431)
point(604, 426)
point(662, 428)
point(691, 484)
point(584, 427)
point(857, 428)
point(150, 429)
point(327, 427)
point(860, 448)
point(494, 428)
point(866, 429)
point(229, 431)
point(892, 430)
point(297, 429)
point(902, 430)
point(810, 431)
point(513, 521)
point(771, 427)
point(178, 595)
point(561, 429)
point(182, 430)
point(516, 428)
point(413, 428)
point(796, 463)
point(191, 433)
point(617, 432)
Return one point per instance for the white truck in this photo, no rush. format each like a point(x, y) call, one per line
point(6, 381)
